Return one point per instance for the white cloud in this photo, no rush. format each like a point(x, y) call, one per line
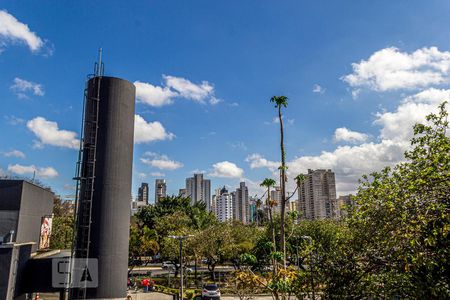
point(258, 161)
point(157, 174)
point(397, 125)
point(345, 135)
point(160, 161)
point(348, 162)
point(254, 187)
point(238, 145)
point(214, 101)
point(145, 132)
point(318, 89)
point(15, 153)
point(45, 172)
point(153, 95)
point(11, 30)
point(189, 90)
point(390, 69)
point(13, 120)
point(142, 175)
point(48, 133)
point(276, 120)
point(226, 169)
point(175, 87)
point(21, 87)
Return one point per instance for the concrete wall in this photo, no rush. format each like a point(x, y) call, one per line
point(36, 203)
point(13, 259)
point(22, 206)
point(10, 194)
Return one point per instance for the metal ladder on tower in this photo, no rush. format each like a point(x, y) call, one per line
point(86, 175)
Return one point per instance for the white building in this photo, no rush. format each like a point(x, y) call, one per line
point(224, 206)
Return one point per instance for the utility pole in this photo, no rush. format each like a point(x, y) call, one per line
point(180, 239)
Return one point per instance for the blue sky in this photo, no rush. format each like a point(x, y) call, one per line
point(358, 74)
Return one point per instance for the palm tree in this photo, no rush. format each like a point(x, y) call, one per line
point(282, 101)
point(298, 180)
point(268, 183)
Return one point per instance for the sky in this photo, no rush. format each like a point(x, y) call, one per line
point(358, 75)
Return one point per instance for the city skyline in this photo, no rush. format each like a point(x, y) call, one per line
point(203, 100)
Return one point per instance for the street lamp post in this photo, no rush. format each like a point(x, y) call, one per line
point(309, 239)
point(180, 238)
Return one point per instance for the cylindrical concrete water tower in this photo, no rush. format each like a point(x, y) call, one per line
point(103, 213)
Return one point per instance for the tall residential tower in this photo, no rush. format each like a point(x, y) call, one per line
point(241, 204)
point(199, 189)
point(160, 189)
point(317, 195)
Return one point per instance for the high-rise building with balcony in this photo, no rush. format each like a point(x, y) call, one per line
point(160, 189)
point(317, 195)
point(143, 193)
point(275, 195)
point(199, 189)
point(241, 204)
point(224, 206)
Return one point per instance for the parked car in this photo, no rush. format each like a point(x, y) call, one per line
point(210, 291)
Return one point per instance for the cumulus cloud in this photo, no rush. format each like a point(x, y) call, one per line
point(49, 133)
point(13, 31)
point(145, 132)
point(226, 169)
point(45, 172)
point(22, 87)
point(396, 125)
point(189, 90)
point(318, 89)
point(175, 87)
point(160, 161)
point(348, 162)
point(345, 135)
point(153, 95)
point(258, 161)
point(391, 69)
point(14, 153)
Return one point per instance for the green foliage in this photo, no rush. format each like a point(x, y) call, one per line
point(198, 216)
point(142, 243)
point(400, 224)
point(62, 232)
point(279, 101)
point(394, 242)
